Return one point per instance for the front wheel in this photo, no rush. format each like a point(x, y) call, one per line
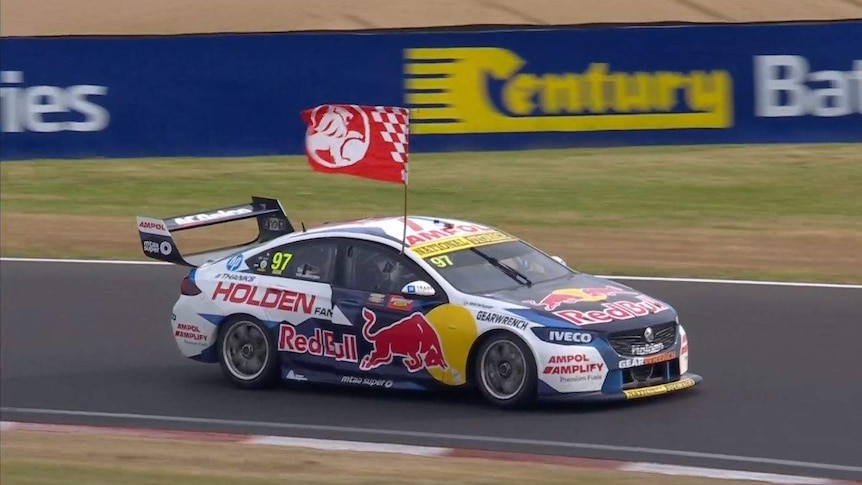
point(506, 372)
point(247, 353)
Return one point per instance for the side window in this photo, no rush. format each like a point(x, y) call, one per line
point(378, 269)
point(308, 260)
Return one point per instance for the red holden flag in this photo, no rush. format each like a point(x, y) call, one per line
point(365, 141)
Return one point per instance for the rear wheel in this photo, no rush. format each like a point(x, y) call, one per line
point(506, 371)
point(247, 353)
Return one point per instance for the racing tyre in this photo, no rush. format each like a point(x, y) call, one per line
point(247, 353)
point(505, 371)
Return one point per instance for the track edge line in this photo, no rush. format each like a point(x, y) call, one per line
point(669, 279)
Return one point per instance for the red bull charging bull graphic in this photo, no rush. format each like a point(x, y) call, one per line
point(412, 338)
point(571, 296)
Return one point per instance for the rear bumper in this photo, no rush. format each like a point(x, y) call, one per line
point(686, 381)
point(194, 334)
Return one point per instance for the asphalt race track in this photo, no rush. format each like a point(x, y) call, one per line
point(782, 387)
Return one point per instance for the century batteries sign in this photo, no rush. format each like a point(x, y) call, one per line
point(44, 108)
point(495, 90)
point(789, 86)
point(468, 89)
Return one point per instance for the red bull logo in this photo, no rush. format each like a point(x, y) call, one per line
point(571, 296)
point(617, 310)
point(323, 343)
point(412, 338)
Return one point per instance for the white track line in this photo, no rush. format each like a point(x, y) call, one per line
point(734, 282)
point(690, 471)
point(441, 436)
point(340, 445)
point(612, 277)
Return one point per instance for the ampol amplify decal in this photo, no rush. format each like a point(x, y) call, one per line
point(494, 90)
point(571, 364)
point(787, 86)
point(49, 109)
point(576, 369)
point(192, 334)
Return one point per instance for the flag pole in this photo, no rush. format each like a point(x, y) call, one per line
point(404, 235)
point(405, 176)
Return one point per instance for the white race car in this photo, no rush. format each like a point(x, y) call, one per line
point(460, 304)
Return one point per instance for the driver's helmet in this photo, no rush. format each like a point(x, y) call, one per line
point(525, 264)
point(396, 272)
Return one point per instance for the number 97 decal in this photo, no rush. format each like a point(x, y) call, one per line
point(280, 261)
point(441, 261)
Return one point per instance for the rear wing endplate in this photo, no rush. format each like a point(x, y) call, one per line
point(157, 242)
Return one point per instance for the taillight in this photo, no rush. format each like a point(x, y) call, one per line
point(189, 288)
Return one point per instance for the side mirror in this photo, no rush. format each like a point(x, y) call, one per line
point(418, 288)
point(560, 260)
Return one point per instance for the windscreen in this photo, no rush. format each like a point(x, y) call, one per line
point(494, 267)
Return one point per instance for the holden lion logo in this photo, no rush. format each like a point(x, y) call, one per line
point(649, 335)
point(338, 136)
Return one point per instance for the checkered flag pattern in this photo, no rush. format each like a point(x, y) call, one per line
point(396, 128)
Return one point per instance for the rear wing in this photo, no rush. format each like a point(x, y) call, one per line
point(157, 242)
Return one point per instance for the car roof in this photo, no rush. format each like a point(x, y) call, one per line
point(420, 229)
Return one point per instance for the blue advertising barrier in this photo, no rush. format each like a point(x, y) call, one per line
point(234, 95)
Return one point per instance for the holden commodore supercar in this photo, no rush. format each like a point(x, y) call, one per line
point(414, 303)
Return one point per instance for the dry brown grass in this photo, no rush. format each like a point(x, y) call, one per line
point(831, 254)
point(65, 17)
point(30, 457)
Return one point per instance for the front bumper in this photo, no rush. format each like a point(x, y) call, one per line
point(685, 381)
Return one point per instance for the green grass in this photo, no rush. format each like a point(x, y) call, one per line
point(684, 186)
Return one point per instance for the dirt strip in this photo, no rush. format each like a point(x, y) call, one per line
point(110, 17)
point(54, 454)
point(794, 252)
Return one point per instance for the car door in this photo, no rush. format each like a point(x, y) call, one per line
point(395, 340)
point(297, 300)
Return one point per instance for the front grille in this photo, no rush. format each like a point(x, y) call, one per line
point(632, 342)
point(650, 374)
